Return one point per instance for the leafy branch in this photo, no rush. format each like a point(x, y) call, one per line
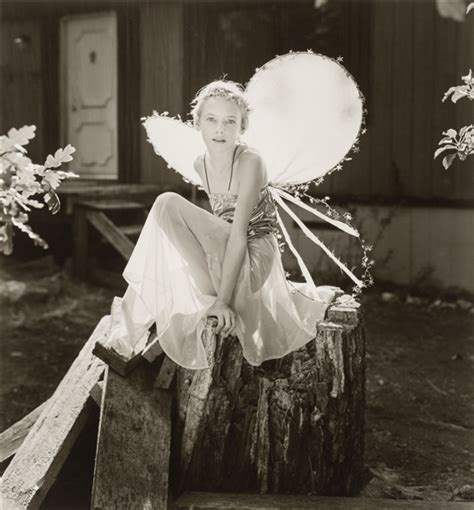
point(453, 144)
point(25, 185)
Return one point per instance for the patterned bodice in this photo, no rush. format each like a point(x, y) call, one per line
point(263, 219)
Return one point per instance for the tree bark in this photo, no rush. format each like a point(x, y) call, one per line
point(291, 425)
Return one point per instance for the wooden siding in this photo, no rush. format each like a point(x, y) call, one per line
point(162, 57)
point(415, 56)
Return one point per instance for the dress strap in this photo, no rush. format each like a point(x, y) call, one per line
point(232, 167)
point(205, 170)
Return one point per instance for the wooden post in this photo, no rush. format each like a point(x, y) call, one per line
point(80, 241)
point(133, 450)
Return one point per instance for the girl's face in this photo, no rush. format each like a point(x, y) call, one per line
point(220, 123)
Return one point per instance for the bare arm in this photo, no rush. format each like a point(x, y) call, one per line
point(252, 175)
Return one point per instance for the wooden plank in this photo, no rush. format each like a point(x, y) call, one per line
point(80, 242)
point(119, 363)
point(153, 349)
point(204, 501)
point(402, 93)
point(12, 438)
point(110, 205)
point(133, 450)
point(34, 468)
point(423, 91)
point(166, 374)
point(111, 232)
point(96, 392)
point(380, 114)
point(131, 230)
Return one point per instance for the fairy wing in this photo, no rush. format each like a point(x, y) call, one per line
point(178, 143)
point(307, 112)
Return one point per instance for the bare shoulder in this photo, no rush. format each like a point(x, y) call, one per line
point(199, 165)
point(252, 164)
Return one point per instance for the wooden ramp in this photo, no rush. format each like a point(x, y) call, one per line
point(41, 455)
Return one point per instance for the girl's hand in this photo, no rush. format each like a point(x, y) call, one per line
point(225, 318)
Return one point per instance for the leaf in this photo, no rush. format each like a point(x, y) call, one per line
point(60, 156)
point(442, 149)
point(448, 160)
point(451, 133)
point(51, 178)
point(21, 136)
point(470, 7)
point(29, 231)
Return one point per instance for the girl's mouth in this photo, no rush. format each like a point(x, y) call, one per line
point(218, 141)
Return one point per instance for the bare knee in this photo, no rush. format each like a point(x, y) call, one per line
point(169, 203)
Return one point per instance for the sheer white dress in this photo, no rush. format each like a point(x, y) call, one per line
point(174, 274)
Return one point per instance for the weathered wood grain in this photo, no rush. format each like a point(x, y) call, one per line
point(166, 374)
point(205, 501)
point(39, 459)
point(116, 361)
point(294, 424)
point(132, 461)
point(12, 438)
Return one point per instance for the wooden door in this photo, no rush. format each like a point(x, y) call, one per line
point(89, 93)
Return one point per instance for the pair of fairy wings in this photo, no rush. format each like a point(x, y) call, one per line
point(306, 115)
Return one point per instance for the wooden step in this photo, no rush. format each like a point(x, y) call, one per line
point(208, 501)
point(111, 205)
point(131, 230)
point(111, 232)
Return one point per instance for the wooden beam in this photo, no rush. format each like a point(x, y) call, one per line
point(96, 392)
point(111, 232)
point(208, 501)
point(119, 363)
point(12, 438)
point(34, 468)
point(133, 450)
point(166, 374)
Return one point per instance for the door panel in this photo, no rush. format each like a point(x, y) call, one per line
point(89, 50)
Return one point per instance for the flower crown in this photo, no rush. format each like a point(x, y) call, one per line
point(231, 91)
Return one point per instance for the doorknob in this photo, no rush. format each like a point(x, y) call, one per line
point(74, 108)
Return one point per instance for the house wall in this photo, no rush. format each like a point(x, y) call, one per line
point(21, 83)
point(412, 246)
point(415, 56)
point(161, 87)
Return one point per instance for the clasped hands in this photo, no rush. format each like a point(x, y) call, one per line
point(225, 318)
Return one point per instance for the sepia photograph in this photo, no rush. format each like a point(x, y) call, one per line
point(237, 254)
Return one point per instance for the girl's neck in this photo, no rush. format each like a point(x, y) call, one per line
point(221, 160)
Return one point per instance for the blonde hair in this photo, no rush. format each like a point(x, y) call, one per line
point(230, 90)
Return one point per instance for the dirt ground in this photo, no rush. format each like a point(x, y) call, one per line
point(420, 382)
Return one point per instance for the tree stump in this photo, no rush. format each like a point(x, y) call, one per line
point(293, 425)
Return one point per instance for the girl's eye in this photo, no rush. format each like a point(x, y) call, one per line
point(231, 121)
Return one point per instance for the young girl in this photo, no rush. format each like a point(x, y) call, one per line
point(189, 264)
